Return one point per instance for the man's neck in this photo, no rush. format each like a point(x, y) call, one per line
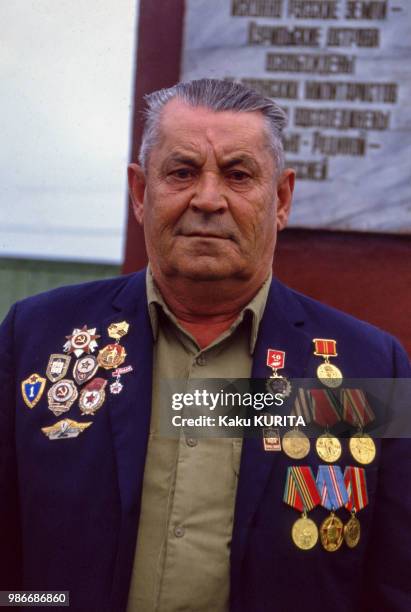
point(207, 309)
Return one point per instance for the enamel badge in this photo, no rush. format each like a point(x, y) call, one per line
point(64, 429)
point(57, 367)
point(111, 356)
point(32, 389)
point(92, 396)
point(84, 369)
point(277, 383)
point(117, 387)
point(81, 341)
point(62, 396)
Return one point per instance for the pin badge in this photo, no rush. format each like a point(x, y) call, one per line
point(113, 355)
point(84, 369)
point(57, 367)
point(92, 396)
point(32, 389)
point(81, 341)
point(277, 384)
point(65, 429)
point(116, 387)
point(271, 439)
point(62, 396)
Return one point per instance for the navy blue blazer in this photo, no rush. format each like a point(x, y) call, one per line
point(69, 509)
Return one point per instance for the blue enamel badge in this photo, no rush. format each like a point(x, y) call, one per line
point(32, 389)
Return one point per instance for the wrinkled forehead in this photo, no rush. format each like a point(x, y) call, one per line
point(182, 125)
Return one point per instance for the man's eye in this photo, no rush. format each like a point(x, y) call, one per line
point(182, 173)
point(238, 176)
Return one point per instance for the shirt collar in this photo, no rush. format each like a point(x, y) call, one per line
point(255, 308)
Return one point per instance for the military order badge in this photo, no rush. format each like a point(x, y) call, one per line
point(65, 429)
point(32, 389)
point(81, 341)
point(57, 367)
point(62, 396)
point(92, 396)
point(84, 369)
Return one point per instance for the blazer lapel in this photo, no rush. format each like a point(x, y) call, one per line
point(282, 327)
point(130, 421)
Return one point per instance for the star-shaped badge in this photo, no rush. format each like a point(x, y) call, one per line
point(81, 341)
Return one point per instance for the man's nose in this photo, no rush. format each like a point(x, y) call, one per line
point(208, 196)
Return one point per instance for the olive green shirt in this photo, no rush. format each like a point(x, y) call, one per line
point(182, 560)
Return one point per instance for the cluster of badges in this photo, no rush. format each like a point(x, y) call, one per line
point(332, 490)
point(325, 407)
point(85, 387)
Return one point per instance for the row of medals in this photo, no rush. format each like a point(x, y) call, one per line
point(296, 445)
point(64, 393)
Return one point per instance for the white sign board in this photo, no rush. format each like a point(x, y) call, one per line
point(341, 70)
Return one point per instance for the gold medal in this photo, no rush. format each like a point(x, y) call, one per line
point(296, 445)
point(118, 330)
point(328, 447)
point(331, 533)
point(352, 531)
point(329, 375)
point(362, 448)
point(304, 533)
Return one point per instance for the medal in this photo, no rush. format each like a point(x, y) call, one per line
point(334, 495)
point(92, 396)
point(362, 448)
point(328, 447)
point(81, 341)
point(61, 396)
point(328, 373)
point(277, 384)
point(358, 412)
point(301, 493)
point(84, 369)
point(116, 387)
point(356, 485)
point(325, 409)
point(296, 444)
point(57, 367)
point(32, 389)
point(113, 355)
point(271, 439)
point(64, 429)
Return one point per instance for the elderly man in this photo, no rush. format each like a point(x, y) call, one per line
point(95, 500)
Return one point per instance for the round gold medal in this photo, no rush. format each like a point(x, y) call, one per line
point(296, 444)
point(111, 356)
point(304, 533)
point(328, 448)
point(331, 533)
point(329, 375)
point(352, 532)
point(362, 448)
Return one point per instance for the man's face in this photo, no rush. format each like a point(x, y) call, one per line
point(209, 201)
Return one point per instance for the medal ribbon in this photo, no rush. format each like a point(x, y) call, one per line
point(300, 490)
point(356, 485)
point(325, 348)
point(330, 484)
point(325, 407)
point(356, 409)
point(302, 405)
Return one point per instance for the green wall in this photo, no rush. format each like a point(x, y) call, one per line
point(20, 278)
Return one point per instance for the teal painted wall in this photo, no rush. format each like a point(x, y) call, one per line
point(20, 278)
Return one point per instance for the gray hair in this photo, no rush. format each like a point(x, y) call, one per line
point(217, 95)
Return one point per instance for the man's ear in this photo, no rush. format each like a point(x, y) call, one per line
point(137, 187)
point(285, 188)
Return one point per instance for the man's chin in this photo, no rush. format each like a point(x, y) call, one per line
point(206, 270)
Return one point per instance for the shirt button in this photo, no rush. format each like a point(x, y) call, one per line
point(201, 360)
point(191, 442)
point(179, 532)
